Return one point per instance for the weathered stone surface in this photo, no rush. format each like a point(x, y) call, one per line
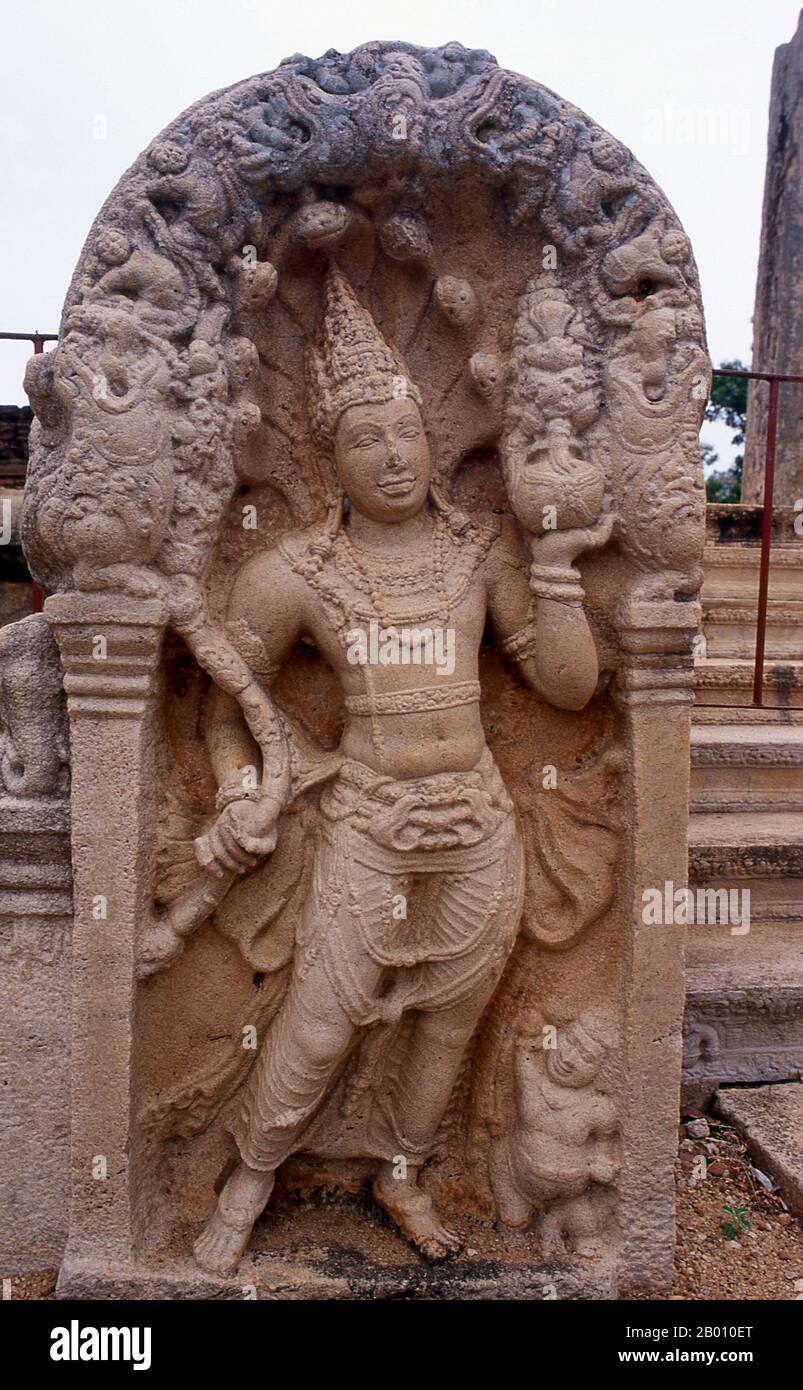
point(771, 1120)
point(729, 598)
point(778, 314)
point(744, 1007)
point(35, 943)
point(722, 680)
point(392, 339)
point(746, 767)
point(760, 716)
point(757, 850)
point(317, 1270)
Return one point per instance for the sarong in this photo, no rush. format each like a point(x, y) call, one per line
point(415, 904)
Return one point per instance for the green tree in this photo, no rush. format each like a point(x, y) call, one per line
point(728, 403)
point(725, 485)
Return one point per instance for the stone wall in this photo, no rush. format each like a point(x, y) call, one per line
point(15, 581)
point(778, 315)
point(15, 424)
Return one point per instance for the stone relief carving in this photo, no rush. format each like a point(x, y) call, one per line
point(34, 782)
point(175, 269)
point(272, 312)
point(738, 1035)
point(561, 1157)
point(34, 748)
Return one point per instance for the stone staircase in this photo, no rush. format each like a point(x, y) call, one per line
point(744, 1017)
point(746, 767)
point(744, 1007)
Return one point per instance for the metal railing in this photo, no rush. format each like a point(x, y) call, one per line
point(775, 380)
point(38, 339)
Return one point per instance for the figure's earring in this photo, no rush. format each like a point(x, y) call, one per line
point(439, 502)
point(337, 510)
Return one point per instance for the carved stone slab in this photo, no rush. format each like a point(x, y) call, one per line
point(373, 344)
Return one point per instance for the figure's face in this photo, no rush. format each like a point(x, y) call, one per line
point(382, 459)
point(571, 1064)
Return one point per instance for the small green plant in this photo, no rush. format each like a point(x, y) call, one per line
point(735, 1222)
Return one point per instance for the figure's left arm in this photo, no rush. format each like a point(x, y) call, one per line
point(537, 610)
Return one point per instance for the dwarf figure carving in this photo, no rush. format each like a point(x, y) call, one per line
point(417, 881)
point(562, 1155)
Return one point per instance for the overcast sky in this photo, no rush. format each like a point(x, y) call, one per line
point(88, 83)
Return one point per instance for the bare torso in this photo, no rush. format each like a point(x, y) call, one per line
point(286, 594)
point(417, 742)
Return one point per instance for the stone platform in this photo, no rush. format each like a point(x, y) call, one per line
point(771, 1120)
point(345, 1250)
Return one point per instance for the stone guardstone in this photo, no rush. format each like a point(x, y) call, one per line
point(366, 494)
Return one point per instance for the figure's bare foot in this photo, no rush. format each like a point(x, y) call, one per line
point(221, 1245)
point(413, 1212)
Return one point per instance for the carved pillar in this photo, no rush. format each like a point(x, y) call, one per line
point(655, 692)
point(109, 649)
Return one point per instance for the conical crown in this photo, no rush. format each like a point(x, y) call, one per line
point(351, 364)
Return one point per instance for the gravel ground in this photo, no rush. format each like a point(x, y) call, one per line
point(763, 1260)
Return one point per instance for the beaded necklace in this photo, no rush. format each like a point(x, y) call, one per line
point(359, 560)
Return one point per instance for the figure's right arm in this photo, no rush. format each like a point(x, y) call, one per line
point(266, 616)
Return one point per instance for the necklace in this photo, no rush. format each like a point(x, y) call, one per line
point(374, 588)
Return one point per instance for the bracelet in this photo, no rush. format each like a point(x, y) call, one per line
point(251, 648)
point(572, 594)
point(235, 791)
point(561, 574)
point(521, 644)
point(558, 582)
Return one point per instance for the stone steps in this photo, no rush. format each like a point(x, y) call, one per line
point(754, 715)
point(729, 681)
point(730, 592)
point(746, 767)
point(744, 1007)
point(729, 629)
point(757, 850)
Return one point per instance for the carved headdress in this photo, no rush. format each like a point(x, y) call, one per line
point(351, 363)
